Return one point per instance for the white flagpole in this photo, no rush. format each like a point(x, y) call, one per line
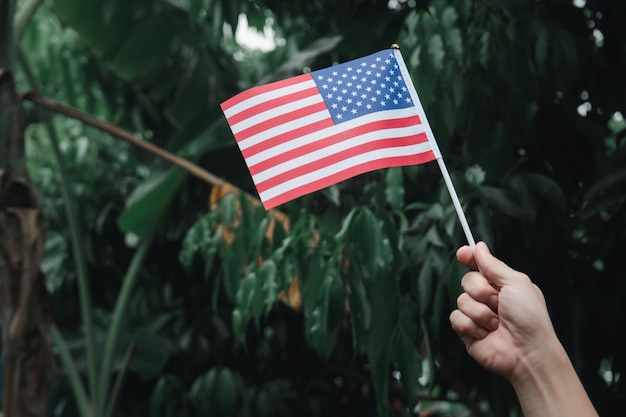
point(431, 138)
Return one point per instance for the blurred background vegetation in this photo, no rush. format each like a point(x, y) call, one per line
point(176, 298)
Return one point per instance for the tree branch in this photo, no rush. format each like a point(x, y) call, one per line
point(120, 133)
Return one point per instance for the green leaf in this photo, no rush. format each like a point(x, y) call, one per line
point(449, 18)
point(425, 285)
point(243, 301)
point(436, 51)
point(484, 52)
point(380, 338)
point(148, 203)
point(410, 366)
point(370, 257)
point(454, 40)
point(502, 201)
point(394, 190)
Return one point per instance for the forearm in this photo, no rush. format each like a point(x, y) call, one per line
point(550, 387)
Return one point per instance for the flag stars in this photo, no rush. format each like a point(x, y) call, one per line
point(362, 87)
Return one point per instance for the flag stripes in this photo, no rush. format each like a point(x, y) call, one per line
point(292, 145)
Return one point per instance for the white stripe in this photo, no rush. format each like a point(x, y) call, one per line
point(336, 148)
point(284, 128)
point(275, 112)
point(268, 95)
point(314, 136)
point(342, 166)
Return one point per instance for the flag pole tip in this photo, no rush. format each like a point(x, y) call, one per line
point(395, 46)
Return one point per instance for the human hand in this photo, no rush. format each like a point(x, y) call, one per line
point(502, 317)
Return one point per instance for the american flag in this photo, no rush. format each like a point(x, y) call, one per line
point(314, 130)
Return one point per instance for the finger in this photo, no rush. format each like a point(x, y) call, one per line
point(494, 269)
point(465, 255)
point(479, 288)
point(478, 312)
point(465, 327)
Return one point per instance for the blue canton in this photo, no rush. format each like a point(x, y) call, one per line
point(363, 86)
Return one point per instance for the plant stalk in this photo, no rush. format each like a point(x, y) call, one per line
point(132, 273)
point(71, 213)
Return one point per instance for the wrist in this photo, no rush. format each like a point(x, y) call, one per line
point(540, 364)
point(547, 385)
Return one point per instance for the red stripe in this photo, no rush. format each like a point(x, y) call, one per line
point(331, 140)
point(279, 120)
point(338, 157)
point(348, 173)
point(270, 104)
point(244, 95)
point(287, 136)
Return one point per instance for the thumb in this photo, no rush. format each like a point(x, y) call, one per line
point(493, 268)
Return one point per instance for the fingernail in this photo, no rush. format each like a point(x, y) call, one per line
point(494, 323)
point(481, 333)
point(485, 247)
point(493, 301)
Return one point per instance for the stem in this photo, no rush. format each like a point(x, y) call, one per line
point(7, 46)
point(106, 371)
point(71, 213)
point(72, 371)
point(117, 385)
point(23, 17)
point(120, 133)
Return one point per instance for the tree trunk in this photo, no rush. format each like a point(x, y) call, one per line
point(25, 304)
